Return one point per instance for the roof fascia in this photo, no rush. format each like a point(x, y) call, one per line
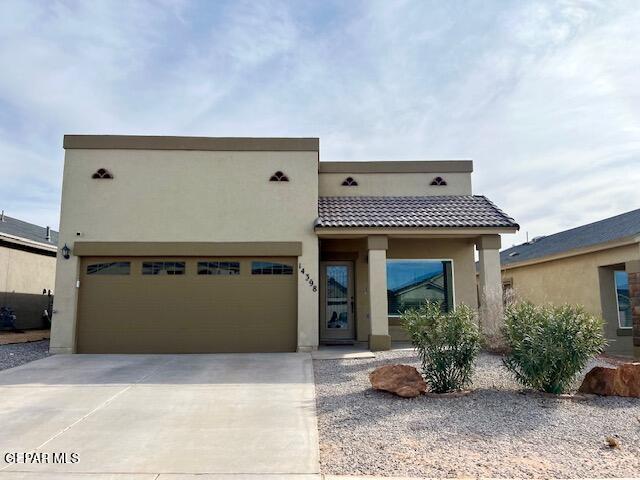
point(635, 239)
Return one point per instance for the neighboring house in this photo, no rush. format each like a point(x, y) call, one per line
point(592, 265)
point(27, 270)
point(181, 244)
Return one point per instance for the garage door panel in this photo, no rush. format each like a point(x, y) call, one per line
point(187, 313)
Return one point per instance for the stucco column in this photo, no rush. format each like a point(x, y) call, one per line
point(308, 307)
point(379, 338)
point(491, 309)
point(633, 271)
point(63, 321)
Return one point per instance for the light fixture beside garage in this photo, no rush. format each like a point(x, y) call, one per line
point(66, 251)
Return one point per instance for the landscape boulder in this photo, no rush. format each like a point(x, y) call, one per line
point(623, 381)
point(403, 380)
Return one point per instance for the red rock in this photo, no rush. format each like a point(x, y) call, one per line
point(623, 381)
point(403, 380)
point(628, 383)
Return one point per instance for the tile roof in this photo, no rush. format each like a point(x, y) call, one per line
point(460, 211)
point(607, 230)
point(28, 231)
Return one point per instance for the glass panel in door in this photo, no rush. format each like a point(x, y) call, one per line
point(337, 288)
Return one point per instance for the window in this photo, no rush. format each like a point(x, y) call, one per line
point(412, 282)
point(507, 292)
point(109, 268)
point(279, 177)
point(270, 268)
point(162, 268)
point(102, 173)
point(350, 182)
point(622, 297)
point(218, 268)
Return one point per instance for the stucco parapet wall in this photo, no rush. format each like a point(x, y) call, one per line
point(213, 249)
point(413, 166)
point(218, 144)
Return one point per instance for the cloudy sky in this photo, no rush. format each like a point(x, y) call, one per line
point(543, 96)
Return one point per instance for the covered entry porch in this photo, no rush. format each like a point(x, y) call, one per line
point(398, 251)
point(368, 278)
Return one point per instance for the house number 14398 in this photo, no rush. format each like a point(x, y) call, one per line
point(308, 278)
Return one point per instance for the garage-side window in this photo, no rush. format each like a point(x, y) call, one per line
point(162, 268)
point(218, 268)
point(109, 268)
point(270, 268)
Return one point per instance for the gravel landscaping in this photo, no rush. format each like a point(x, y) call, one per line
point(496, 431)
point(16, 354)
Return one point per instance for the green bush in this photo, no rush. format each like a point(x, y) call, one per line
point(447, 344)
point(548, 346)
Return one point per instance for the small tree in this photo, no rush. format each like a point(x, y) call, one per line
point(548, 346)
point(447, 344)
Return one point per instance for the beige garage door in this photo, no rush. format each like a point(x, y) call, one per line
point(187, 305)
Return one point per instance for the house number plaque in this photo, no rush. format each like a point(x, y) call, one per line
point(308, 278)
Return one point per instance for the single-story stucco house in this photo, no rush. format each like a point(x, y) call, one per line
point(595, 265)
point(182, 244)
point(27, 271)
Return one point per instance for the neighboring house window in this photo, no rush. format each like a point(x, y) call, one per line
point(412, 282)
point(109, 268)
point(270, 268)
point(218, 268)
point(507, 291)
point(622, 297)
point(162, 268)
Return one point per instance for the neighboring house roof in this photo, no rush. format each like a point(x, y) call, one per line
point(425, 281)
point(608, 230)
point(459, 211)
point(12, 228)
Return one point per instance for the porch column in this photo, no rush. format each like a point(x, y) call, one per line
point(491, 310)
point(633, 272)
point(379, 338)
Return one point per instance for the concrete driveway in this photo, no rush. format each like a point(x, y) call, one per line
point(161, 414)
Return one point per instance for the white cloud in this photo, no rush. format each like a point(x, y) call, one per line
point(542, 95)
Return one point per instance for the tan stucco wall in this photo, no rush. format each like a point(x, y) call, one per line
point(187, 196)
point(578, 280)
point(460, 251)
point(399, 184)
point(23, 277)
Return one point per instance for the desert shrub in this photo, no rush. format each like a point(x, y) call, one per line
point(447, 344)
point(549, 345)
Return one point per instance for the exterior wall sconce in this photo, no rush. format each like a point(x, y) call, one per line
point(66, 251)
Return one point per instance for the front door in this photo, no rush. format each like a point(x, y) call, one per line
point(337, 309)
